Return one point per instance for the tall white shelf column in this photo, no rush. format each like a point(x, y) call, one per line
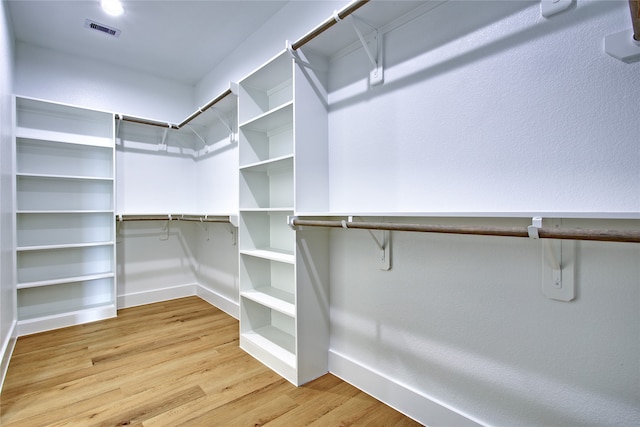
point(283, 273)
point(64, 199)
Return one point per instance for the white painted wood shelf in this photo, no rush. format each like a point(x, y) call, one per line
point(65, 199)
point(283, 320)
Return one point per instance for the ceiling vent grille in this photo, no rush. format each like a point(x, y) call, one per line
point(92, 25)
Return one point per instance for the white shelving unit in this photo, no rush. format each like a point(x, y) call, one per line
point(65, 232)
point(283, 289)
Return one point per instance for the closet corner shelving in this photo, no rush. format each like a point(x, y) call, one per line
point(64, 201)
point(283, 299)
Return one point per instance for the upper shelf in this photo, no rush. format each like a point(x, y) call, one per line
point(63, 123)
point(379, 14)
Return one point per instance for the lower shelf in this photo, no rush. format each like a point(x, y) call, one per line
point(268, 346)
point(62, 320)
point(269, 336)
point(61, 299)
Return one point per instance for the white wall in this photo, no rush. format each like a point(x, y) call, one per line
point(8, 313)
point(55, 76)
point(507, 115)
point(505, 111)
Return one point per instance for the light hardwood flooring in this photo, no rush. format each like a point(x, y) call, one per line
point(175, 363)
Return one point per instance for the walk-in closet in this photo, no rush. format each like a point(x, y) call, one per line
point(396, 212)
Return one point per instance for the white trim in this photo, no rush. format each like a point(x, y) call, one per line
point(156, 295)
point(7, 350)
point(232, 308)
point(410, 402)
point(66, 319)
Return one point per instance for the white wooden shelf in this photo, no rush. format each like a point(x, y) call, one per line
point(69, 177)
point(63, 211)
point(278, 163)
point(275, 342)
point(62, 246)
point(282, 318)
point(271, 120)
point(58, 281)
point(63, 137)
point(271, 254)
point(285, 210)
point(275, 299)
point(65, 234)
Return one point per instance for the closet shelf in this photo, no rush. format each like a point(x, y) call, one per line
point(275, 299)
point(277, 163)
point(69, 177)
point(93, 312)
point(68, 138)
point(271, 254)
point(62, 246)
point(284, 209)
point(58, 281)
point(272, 119)
point(62, 211)
point(276, 343)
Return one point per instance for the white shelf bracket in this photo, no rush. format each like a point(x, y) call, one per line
point(163, 146)
point(382, 245)
point(551, 7)
point(234, 234)
point(376, 76)
point(623, 46)
point(228, 125)
point(383, 248)
point(204, 143)
point(118, 123)
point(558, 264)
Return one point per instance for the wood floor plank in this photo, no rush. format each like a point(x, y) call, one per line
point(168, 364)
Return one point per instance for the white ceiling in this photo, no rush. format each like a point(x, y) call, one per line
point(177, 39)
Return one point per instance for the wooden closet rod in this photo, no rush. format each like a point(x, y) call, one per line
point(184, 122)
point(626, 236)
point(346, 11)
point(634, 5)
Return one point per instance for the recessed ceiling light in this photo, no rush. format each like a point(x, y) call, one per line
point(112, 7)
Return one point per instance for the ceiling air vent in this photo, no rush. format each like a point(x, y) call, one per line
point(92, 25)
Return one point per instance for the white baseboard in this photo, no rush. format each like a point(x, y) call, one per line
point(410, 402)
point(156, 295)
point(8, 345)
point(232, 308)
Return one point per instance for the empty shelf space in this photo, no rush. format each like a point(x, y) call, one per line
point(276, 118)
point(275, 343)
point(63, 137)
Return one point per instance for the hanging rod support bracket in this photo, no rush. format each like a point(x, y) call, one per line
point(227, 125)
point(558, 267)
point(376, 76)
point(163, 146)
point(204, 143)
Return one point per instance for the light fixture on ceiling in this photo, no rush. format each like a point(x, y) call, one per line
point(112, 7)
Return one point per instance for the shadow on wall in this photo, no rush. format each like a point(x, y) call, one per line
point(436, 31)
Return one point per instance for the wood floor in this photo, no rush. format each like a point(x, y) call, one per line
point(175, 363)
